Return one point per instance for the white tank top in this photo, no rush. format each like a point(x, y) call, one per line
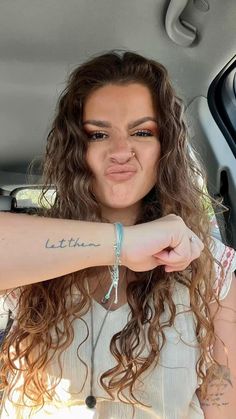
point(169, 389)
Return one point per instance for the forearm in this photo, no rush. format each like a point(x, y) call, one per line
point(34, 249)
point(221, 400)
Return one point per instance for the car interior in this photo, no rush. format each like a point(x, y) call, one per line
point(42, 42)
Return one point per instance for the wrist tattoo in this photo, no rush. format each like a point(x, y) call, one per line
point(218, 385)
point(63, 243)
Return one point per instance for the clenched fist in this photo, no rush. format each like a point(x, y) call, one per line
point(166, 241)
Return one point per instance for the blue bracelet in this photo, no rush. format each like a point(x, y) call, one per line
point(115, 269)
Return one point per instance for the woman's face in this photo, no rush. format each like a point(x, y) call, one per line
point(120, 121)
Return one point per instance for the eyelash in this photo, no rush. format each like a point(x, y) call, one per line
point(144, 131)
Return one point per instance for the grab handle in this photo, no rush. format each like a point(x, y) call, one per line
point(176, 30)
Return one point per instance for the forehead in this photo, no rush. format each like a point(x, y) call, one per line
point(118, 100)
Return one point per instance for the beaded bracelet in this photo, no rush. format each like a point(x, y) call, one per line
point(115, 269)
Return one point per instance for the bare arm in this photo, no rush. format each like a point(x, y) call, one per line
point(221, 399)
point(34, 249)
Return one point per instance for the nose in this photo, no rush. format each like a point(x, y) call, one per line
point(120, 148)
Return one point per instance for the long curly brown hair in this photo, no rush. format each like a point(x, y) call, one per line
point(42, 306)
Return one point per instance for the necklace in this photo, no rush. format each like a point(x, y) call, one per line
point(91, 399)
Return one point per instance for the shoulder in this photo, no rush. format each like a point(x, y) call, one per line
point(225, 265)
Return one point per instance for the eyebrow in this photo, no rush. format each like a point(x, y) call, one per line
point(133, 124)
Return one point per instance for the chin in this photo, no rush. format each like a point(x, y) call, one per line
point(114, 205)
point(121, 205)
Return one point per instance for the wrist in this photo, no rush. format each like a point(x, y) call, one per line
point(124, 248)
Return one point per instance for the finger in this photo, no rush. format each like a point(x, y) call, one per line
point(194, 239)
point(180, 253)
point(190, 248)
point(182, 266)
point(196, 244)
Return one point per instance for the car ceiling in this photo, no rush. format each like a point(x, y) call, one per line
point(42, 41)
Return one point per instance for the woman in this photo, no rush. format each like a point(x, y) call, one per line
point(129, 331)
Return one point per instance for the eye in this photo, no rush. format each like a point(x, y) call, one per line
point(143, 133)
point(98, 135)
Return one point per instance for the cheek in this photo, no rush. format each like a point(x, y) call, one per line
point(94, 159)
point(153, 164)
point(91, 160)
point(152, 157)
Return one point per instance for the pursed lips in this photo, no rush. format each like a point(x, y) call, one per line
point(120, 169)
point(120, 173)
